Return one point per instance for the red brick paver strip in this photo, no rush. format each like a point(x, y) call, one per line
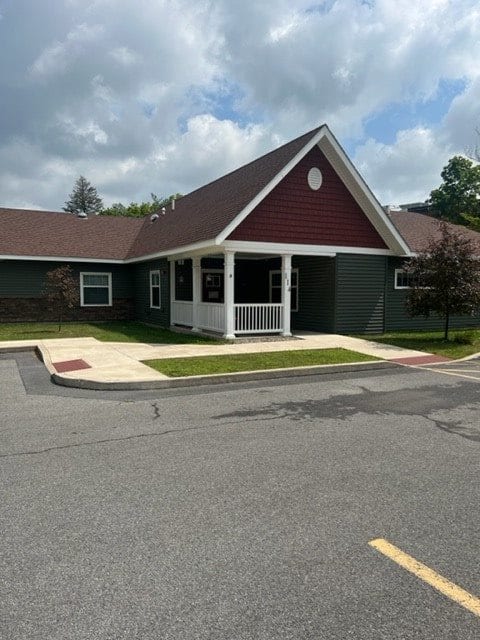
point(70, 365)
point(427, 359)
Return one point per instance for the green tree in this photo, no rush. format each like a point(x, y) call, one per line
point(84, 198)
point(60, 291)
point(445, 278)
point(457, 199)
point(140, 209)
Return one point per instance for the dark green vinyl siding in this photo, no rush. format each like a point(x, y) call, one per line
point(143, 311)
point(26, 278)
point(396, 318)
point(316, 294)
point(360, 282)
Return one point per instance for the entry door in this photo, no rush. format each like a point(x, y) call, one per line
point(276, 288)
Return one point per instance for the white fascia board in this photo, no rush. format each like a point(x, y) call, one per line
point(277, 248)
point(270, 186)
point(61, 259)
point(359, 189)
point(199, 248)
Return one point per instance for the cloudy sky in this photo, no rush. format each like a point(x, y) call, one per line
point(162, 96)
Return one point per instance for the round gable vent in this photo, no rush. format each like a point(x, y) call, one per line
point(315, 178)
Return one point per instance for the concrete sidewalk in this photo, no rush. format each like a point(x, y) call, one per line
point(88, 363)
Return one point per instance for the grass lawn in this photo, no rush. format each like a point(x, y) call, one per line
point(103, 331)
point(205, 365)
point(462, 342)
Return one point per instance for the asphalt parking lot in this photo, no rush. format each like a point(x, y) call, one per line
point(246, 511)
point(467, 369)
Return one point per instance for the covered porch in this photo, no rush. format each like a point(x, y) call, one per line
point(233, 294)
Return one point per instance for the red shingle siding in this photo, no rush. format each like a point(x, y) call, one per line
point(294, 213)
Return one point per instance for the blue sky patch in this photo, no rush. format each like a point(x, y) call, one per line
point(399, 116)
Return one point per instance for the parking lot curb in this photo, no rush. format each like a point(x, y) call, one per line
point(216, 379)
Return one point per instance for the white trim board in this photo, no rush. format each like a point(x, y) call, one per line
point(300, 249)
point(61, 259)
point(177, 253)
point(362, 194)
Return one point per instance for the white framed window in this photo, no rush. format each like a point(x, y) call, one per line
point(155, 298)
point(212, 285)
point(95, 289)
point(276, 288)
point(403, 279)
point(212, 281)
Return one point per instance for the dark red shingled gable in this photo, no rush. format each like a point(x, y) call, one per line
point(294, 213)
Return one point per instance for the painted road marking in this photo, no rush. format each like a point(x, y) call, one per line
point(450, 373)
point(434, 579)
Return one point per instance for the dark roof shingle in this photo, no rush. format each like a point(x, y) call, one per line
point(204, 213)
point(419, 229)
point(199, 216)
point(24, 232)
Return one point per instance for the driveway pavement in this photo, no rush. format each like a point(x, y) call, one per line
point(244, 511)
point(86, 361)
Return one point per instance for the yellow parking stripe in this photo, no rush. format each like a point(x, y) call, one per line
point(435, 580)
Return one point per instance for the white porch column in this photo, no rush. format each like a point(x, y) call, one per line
point(229, 294)
point(196, 290)
point(172, 288)
point(286, 292)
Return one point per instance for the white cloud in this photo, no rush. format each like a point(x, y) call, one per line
point(405, 171)
point(148, 95)
point(57, 57)
point(88, 131)
point(125, 56)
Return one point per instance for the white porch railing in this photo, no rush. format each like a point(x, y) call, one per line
point(249, 318)
point(211, 316)
point(258, 318)
point(182, 313)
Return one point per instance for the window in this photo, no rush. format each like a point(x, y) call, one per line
point(155, 289)
point(212, 281)
point(212, 286)
point(403, 279)
point(276, 288)
point(96, 289)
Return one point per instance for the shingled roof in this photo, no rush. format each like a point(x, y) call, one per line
point(25, 232)
point(200, 216)
point(204, 213)
point(419, 229)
